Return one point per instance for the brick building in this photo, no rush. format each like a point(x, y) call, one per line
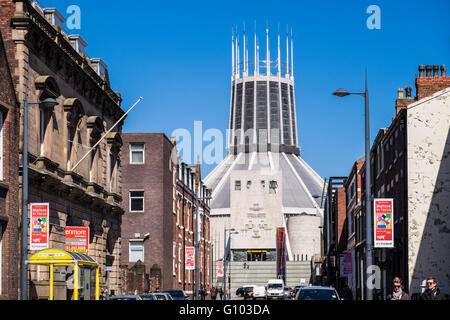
point(46, 62)
point(147, 225)
point(160, 218)
point(354, 224)
point(189, 189)
point(410, 164)
point(9, 184)
point(334, 229)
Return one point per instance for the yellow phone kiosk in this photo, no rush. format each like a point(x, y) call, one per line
point(82, 264)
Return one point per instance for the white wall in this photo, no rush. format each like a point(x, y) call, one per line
point(428, 136)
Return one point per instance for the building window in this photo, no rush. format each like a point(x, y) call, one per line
point(137, 155)
point(136, 201)
point(1, 147)
point(237, 185)
point(136, 251)
point(249, 184)
point(273, 185)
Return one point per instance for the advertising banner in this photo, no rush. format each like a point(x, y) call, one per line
point(383, 223)
point(219, 268)
point(39, 218)
point(281, 254)
point(77, 239)
point(348, 263)
point(189, 258)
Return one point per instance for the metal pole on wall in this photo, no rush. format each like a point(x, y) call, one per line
point(369, 290)
point(224, 262)
point(196, 247)
point(23, 263)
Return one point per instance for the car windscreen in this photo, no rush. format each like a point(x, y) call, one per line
point(317, 294)
point(275, 286)
point(148, 297)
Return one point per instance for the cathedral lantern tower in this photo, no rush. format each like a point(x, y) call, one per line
point(263, 183)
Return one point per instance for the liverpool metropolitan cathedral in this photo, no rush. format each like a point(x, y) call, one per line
point(263, 184)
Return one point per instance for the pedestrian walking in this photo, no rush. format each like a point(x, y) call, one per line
point(203, 293)
point(213, 293)
point(102, 294)
point(432, 292)
point(221, 293)
point(347, 293)
point(398, 292)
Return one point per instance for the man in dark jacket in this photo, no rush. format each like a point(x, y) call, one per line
point(432, 292)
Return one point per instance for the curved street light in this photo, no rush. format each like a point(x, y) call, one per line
point(342, 93)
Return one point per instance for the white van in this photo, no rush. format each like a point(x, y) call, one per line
point(259, 292)
point(275, 289)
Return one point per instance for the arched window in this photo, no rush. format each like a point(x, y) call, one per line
point(48, 88)
point(74, 112)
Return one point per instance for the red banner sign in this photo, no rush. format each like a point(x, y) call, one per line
point(39, 218)
point(77, 239)
point(383, 223)
point(190, 258)
point(219, 268)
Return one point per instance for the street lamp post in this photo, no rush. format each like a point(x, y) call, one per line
point(231, 230)
point(365, 94)
point(197, 277)
point(24, 255)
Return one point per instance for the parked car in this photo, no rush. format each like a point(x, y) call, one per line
point(162, 296)
point(248, 292)
point(287, 292)
point(317, 293)
point(126, 297)
point(148, 296)
point(177, 294)
point(240, 292)
point(259, 292)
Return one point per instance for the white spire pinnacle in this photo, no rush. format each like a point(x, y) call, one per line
point(292, 56)
point(287, 52)
point(255, 58)
point(238, 66)
point(267, 51)
point(279, 53)
point(233, 66)
point(244, 67)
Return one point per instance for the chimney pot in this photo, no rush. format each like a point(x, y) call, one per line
point(408, 91)
point(428, 69)
point(400, 93)
point(421, 71)
point(435, 71)
point(443, 72)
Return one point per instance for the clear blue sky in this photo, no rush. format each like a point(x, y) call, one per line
point(177, 55)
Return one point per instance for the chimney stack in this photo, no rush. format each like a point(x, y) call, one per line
point(402, 102)
point(426, 86)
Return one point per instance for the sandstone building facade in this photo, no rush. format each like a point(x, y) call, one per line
point(45, 62)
